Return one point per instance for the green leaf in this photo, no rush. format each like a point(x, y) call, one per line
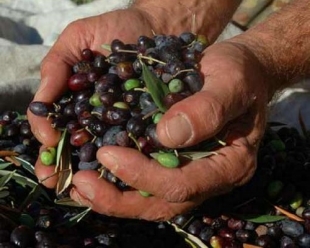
point(22, 180)
point(4, 193)
point(68, 202)
point(262, 218)
point(4, 165)
point(157, 88)
point(64, 169)
point(26, 165)
point(189, 238)
point(75, 219)
point(33, 195)
point(5, 178)
point(106, 47)
point(60, 147)
point(196, 155)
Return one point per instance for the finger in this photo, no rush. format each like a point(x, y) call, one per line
point(223, 97)
point(56, 69)
point(103, 197)
point(208, 176)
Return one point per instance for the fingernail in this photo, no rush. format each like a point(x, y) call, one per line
point(85, 189)
point(110, 162)
point(179, 130)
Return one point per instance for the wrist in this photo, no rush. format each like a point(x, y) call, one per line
point(281, 44)
point(201, 17)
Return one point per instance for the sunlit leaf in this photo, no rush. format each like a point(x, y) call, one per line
point(60, 147)
point(157, 88)
point(65, 173)
point(262, 218)
point(75, 219)
point(22, 180)
point(196, 155)
point(26, 165)
point(106, 47)
point(5, 178)
point(68, 202)
point(189, 238)
point(4, 165)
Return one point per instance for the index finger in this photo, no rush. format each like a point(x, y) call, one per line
point(210, 176)
point(55, 71)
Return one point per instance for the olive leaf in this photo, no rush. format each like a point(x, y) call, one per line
point(60, 148)
point(26, 165)
point(64, 168)
point(157, 88)
point(67, 201)
point(5, 178)
point(21, 180)
point(4, 193)
point(189, 238)
point(106, 47)
point(265, 218)
point(33, 195)
point(196, 155)
point(75, 219)
point(4, 165)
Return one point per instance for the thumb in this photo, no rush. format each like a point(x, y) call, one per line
point(204, 114)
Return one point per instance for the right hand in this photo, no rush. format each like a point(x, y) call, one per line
point(126, 25)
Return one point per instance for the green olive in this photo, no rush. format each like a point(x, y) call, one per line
point(48, 156)
point(296, 201)
point(94, 100)
point(131, 84)
point(156, 117)
point(169, 160)
point(277, 145)
point(121, 105)
point(274, 188)
point(176, 85)
point(144, 193)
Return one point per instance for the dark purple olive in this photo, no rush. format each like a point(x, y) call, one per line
point(115, 116)
point(23, 236)
point(41, 108)
point(78, 82)
point(88, 152)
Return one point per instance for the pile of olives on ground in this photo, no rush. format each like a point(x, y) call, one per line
point(255, 213)
point(30, 217)
point(119, 99)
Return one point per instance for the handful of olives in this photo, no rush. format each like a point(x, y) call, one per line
point(119, 99)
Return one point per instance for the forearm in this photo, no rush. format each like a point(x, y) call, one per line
point(282, 44)
point(208, 17)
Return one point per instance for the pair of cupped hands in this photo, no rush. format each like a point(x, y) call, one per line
point(233, 100)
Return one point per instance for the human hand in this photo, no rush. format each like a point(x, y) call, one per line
point(57, 65)
point(233, 100)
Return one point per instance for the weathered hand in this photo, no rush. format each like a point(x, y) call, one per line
point(233, 100)
point(126, 25)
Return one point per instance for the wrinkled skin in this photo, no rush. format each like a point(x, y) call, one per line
point(233, 100)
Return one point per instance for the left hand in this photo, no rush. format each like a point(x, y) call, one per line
point(233, 99)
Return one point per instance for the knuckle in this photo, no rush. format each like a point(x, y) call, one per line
point(178, 193)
